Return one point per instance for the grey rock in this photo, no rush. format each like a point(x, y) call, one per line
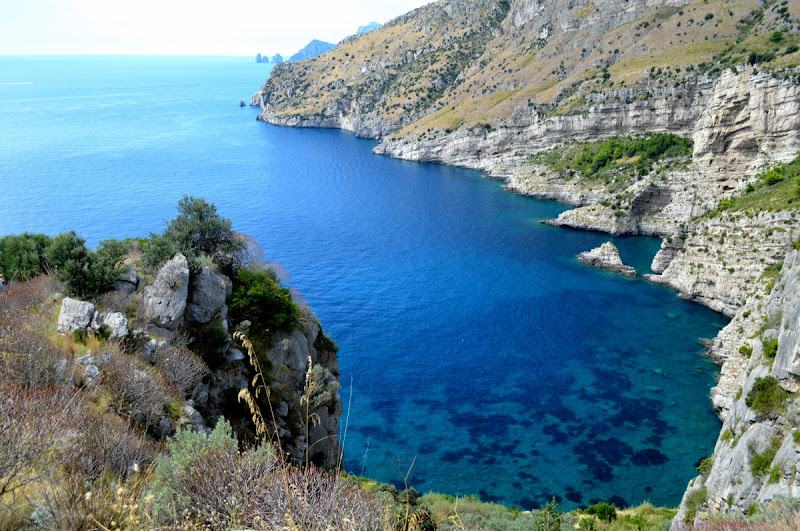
point(117, 323)
point(207, 296)
point(127, 280)
point(234, 355)
point(607, 257)
point(76, 315)
point(165, 300)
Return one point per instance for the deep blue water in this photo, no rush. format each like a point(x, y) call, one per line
point(472, 336)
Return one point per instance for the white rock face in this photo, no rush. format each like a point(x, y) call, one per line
point(117, 323)
point(165, 300)
point(76, 315)
point(607, 257)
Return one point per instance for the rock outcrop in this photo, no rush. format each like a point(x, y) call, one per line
point(117, 325)
point(207, 297)
point(731, 484)
point(165, 300)
point(607, 257)
point(76, 315)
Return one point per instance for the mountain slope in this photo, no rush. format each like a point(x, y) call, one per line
point(312, 49)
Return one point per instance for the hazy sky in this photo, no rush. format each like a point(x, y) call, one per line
point(218, 27)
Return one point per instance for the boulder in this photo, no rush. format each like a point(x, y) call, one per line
point(127, 280)
point(607, 257)
point(207, 296)
point(165, 300)
point(76, 315)
point(117, 323)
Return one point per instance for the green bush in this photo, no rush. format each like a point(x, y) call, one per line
point(705, 466)
point(760, 57)
point(695, 500)
point(22, 256)
point(604, 511)
point(86, 273)
point(746, 351)
point(776, 36)
point(770, 348)
point(767, 396)
point(197, 230)
point(549, 518)
point(760, 463)
point(258, 298)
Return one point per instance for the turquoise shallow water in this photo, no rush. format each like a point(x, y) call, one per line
point(473, 338)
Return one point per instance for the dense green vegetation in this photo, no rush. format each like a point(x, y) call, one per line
point(767, 396)
point(760, 462)
point(257, 297)
point(197, 231)
point(618, 156)
point(22, 256)
point(775, 189)
point(85, 273)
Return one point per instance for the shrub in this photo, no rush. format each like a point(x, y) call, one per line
point(22, 256)
point(31, 426)
point(549, 518)
point(746, 351)
point(85, 273)
point(694, 501)
point(183, 368)
point(138, 393)
point(705, 466)
point(760, 463)
point(258, 298)
point(760, 57)
point(604, 511)
point(767, 396)
point(776, 36)
point(791, 49)
point(770, 348)
point(28, 358)
point(197, 230)
point(207, 478)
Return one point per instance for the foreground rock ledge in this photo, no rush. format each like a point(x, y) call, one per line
point(607, 257)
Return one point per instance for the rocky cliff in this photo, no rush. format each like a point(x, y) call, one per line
point(516, 88)
point(182, 308)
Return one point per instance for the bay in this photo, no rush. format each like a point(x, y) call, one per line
point(471, 337)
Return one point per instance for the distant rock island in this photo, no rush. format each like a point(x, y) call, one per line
point(369, 27)
point(277, 58)
point(312, 49)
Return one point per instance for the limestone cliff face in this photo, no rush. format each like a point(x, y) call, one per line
point(730, 485)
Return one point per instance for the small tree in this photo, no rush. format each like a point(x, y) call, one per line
point(197, 230)
point(549, 518)
point(86, 273)
point(22, 256)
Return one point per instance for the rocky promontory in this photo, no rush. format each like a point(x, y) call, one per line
point(607, 257)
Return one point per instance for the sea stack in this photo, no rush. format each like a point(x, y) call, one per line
point(607, 257)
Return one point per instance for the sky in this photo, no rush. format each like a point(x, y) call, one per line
point(184, 27)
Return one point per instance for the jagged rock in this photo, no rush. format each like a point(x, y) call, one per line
point(76, 315)
point(192, 418)
point(127, 280)
point(670, 247)
point(787, 362)
point(607, 257)
point(290, 352)
point(117, 323)
point(207, 296)
point(165, 300)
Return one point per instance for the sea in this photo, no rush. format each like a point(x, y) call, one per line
point(478, 356)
